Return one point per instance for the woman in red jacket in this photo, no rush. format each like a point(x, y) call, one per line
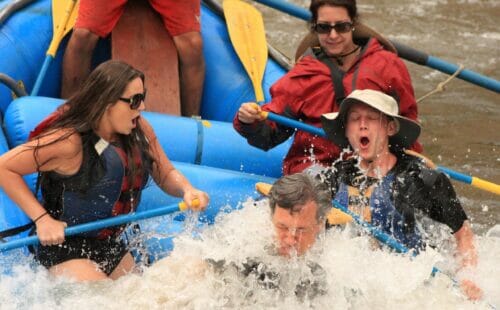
point(320, 80)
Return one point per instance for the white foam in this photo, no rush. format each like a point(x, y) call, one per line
point(357, 277)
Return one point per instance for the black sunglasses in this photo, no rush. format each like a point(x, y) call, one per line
point(135, 101)
point(326, 28)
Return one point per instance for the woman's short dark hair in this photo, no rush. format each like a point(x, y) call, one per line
point(349, 5)
point(294, 190)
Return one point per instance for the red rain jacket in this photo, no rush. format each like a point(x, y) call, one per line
point(306, 92)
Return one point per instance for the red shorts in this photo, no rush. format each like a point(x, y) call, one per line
point(101, 16)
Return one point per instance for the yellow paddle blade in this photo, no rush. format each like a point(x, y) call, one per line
point(246, 30)
point(63, 19)
point(263, 188)
point(183, 206)
point(337, 217)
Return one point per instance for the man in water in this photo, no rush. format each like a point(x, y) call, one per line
point(299, 204)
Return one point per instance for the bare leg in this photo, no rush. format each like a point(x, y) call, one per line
point(125, 266)
point(191, 71)
point(77, 60)
point(87, 270)
point(79, 270)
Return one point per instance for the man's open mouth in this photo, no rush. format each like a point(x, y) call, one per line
point(364, 141)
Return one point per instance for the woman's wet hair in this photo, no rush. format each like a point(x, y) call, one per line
point(293, 191)
point(104, 86)
point(349, 5)
point(84, 110)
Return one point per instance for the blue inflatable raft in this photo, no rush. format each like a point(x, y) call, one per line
point(209, 153)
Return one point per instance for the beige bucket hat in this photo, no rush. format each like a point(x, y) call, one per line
point(334, 123)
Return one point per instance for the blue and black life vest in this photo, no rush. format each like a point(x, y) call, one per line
point(391, 203)
point(376, 205)
point(102, 188)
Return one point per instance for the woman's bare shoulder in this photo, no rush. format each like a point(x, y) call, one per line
point(62, 142)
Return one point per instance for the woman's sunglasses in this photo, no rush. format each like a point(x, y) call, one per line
point(135, 101)
point(326, 28)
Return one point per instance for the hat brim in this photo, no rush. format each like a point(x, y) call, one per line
point(408, 133)
point(334, 127)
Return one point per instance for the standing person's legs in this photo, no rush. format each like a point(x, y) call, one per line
point(77, 60)
point(191, 71)
point(182, 20)
point(95, 19)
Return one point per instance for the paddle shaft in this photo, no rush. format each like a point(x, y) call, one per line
point(404, 51)
point(424, 59)
point(109, 222)
point(380, 235)
point(61, 29)
point(474, 181)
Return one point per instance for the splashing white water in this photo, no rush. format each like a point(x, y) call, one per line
point(354, 276)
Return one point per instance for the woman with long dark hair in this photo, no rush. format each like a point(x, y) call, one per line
point(94, 156)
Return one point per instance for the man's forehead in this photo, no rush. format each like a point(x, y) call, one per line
point(303, 211)
point(360, 106)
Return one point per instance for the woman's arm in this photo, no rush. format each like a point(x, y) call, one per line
point(169, 179)
point(62, 156)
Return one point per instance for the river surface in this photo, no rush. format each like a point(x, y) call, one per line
point(461, 131)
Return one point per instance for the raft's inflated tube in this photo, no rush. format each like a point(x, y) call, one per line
point(227, 189)
point(24, 37)
point(189, 140)
point(4, 147)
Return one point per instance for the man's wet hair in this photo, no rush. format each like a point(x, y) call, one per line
point(293, 191)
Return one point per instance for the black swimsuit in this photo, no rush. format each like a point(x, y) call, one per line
point(99, 190)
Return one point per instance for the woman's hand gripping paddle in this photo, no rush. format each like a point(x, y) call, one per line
point(109, 222)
